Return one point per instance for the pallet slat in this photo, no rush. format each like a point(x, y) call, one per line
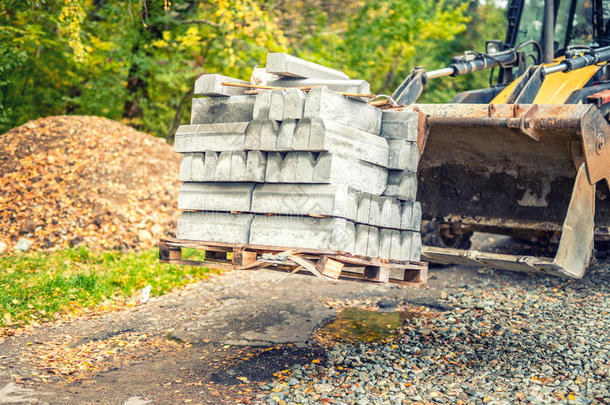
point(326, 264)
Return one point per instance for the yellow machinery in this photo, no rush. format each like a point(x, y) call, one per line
point(527, 156)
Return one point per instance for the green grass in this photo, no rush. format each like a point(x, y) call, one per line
point(36, 286)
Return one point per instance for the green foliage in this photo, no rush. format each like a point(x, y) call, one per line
point(382, 41)
point(38, 285)
point(486, 21)
point(136, 61)
point(387, 38)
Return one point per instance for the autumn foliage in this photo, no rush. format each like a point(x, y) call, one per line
point(79, 179)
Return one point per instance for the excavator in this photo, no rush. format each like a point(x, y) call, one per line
point(528, 156)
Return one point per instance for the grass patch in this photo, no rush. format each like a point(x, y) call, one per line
point(36, 286)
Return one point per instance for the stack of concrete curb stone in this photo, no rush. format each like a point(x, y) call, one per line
point(314, 170)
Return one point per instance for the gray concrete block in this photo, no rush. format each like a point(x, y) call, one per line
point(327, 104)
point(416, 245)
point(303, 232)
point(276, 109)
point(360, 175)
point(186, 163)
point(215, 196)
point(401, 184)
point(211, 85)
point(262, 103)
point(378, 211)
point(217, 137)
point(273, 170)
point(297, 167)
point(214, 226)
point(238, 166)
point(189, 196)
point(268, 136)
point(389, 216)
point(367, 241)
point(410, 216)
point(404, 155)
point(285, 65)
point(375, 210)
point(362, 240)
point(286, 135)
point(223, 167)
point(294, 104)
point(210, 163)
point(385, 243)
point(214, 110)
point(336, 200)
point(300, 138)
point(396, 246)
point(253, 135)
point(248, 166)
point(315, 134)
point(343, 86)
point(305, 165)
point(287, 104)
point(255, 166)
point(400, 125)
point(410, 246)
point(289, 173)
point(389, 243)
point(261, 135)
point(374, 242)
point(306, 199)
point(363, 215)
point(198, 167)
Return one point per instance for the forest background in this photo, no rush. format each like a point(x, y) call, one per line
point(136, 60)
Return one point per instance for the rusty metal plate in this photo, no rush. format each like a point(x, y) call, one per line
point(481, 165)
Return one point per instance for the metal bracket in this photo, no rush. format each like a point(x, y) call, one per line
point(528, 86)
point(411, 88)
point(522, 119)
point(595, 133)
point(526, 122)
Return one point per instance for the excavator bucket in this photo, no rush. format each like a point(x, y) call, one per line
point(520, 170)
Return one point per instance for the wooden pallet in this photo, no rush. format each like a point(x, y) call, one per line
point(329, 265)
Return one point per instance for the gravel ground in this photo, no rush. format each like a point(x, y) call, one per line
point(467, 336)
point(531, 340)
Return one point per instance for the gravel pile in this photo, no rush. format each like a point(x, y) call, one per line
point(534, 340)
point(70, 180)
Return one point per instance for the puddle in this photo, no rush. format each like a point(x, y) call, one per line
point(356, 324)
point(362, 325)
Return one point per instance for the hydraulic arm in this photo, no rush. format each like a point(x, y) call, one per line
point(576, 58)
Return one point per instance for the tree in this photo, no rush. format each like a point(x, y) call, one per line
point(136, 61)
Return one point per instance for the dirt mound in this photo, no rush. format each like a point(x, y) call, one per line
point(67, 180)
